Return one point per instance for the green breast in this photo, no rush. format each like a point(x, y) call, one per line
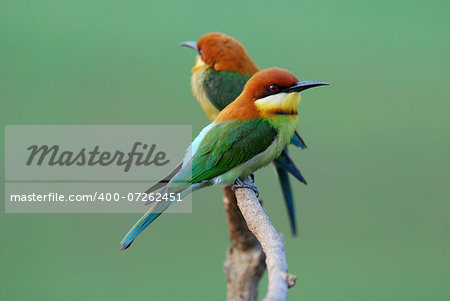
point(223, 87)
point(285, 125)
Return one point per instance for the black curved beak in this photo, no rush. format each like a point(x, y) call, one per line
point(190, 44)
point(300, 86)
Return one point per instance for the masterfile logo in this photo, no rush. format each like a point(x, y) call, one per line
point(54, 156)
point(87, 168)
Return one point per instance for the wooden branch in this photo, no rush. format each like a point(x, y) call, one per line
point(272, 244)
point(244, 264)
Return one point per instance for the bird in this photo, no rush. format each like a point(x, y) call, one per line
point(222, 68)
point(246, 135)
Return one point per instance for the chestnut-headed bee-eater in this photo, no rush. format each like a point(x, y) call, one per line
point(248, 134)
point(222, 68)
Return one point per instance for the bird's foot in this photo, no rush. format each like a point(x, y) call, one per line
point(252, 176)
point(238, 183)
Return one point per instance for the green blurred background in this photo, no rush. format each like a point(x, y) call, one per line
point(374, 220)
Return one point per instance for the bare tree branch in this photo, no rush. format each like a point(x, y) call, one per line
point(272, 244)
point(244, 264)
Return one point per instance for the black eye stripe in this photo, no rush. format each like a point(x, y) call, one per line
point(271, 89)
point(274, 88)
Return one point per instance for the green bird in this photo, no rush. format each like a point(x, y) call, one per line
point(248, 134)
point(221, 71)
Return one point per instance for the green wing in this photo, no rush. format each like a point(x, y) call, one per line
point(229, 144)
point(223, 87)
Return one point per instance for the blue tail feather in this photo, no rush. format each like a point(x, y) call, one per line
point(287, 194)
point(153, 213)
point(283, 166)
point(287, 163)
point(298, 141)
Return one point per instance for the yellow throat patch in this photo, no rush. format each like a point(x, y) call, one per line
point(198, 74)
point(281, 103)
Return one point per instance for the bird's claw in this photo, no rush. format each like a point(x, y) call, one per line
point(238, 183)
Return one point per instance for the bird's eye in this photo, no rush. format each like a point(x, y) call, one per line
point(274, 88)
point(200, 53)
